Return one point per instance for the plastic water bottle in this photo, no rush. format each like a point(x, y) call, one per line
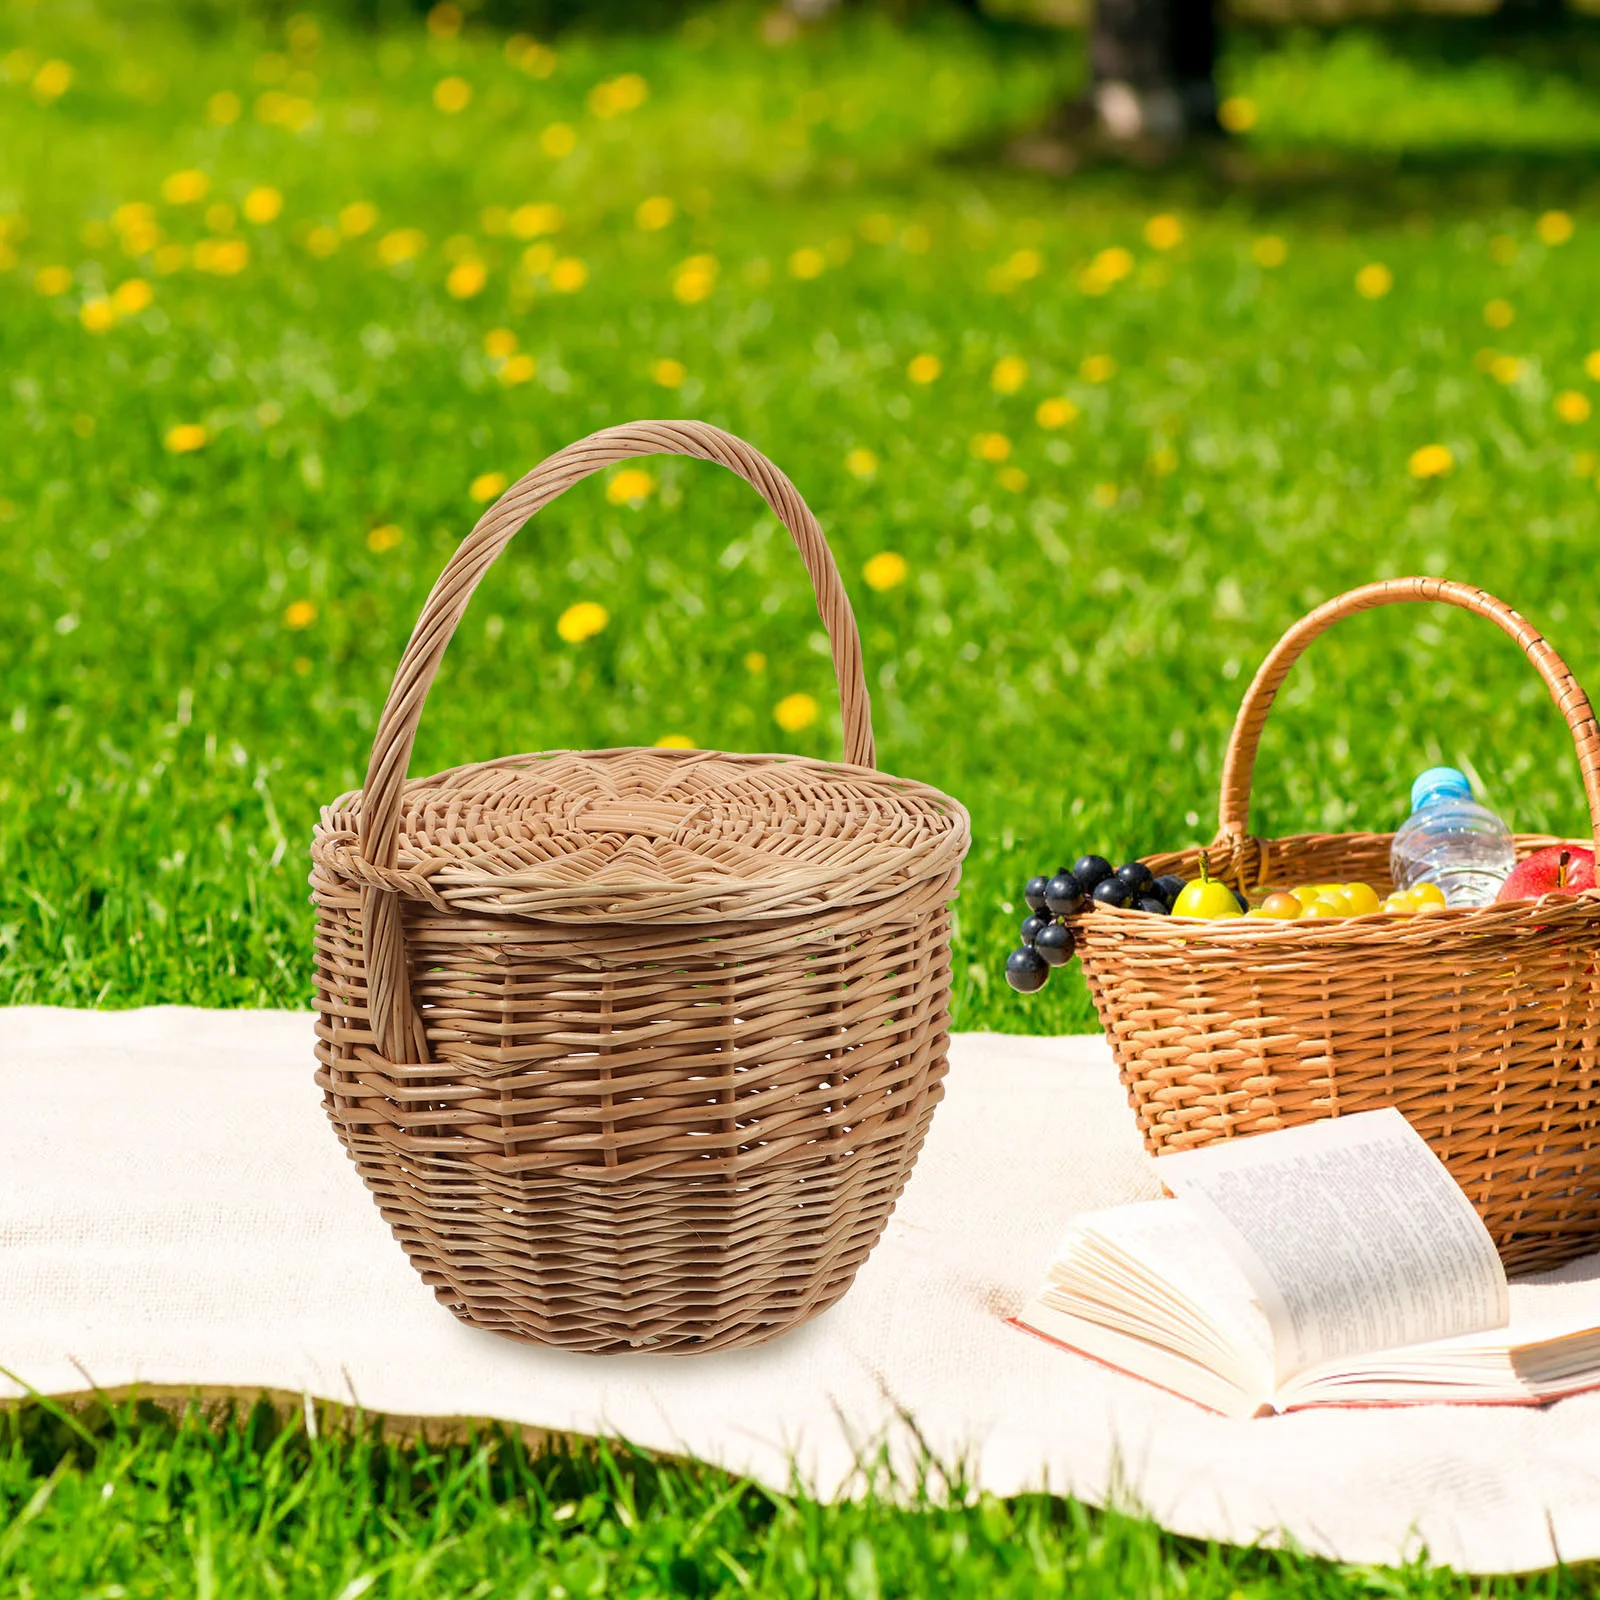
point(1452, 841)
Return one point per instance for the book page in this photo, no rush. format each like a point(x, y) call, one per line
point(1352, 1234)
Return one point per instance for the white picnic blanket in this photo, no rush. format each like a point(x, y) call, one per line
point(175, 1210)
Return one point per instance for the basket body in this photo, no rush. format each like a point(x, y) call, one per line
point(1482, 1027)
point(634, 1048)
point(633, 1134)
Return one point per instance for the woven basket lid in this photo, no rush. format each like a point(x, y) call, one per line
point(672, 836)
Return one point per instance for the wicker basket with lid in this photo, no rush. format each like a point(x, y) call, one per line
point(634, 1048)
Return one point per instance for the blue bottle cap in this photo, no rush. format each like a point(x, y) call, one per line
point(1440, 783)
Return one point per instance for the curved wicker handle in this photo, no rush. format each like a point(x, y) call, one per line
point(1237, 770)
point(397, 1028)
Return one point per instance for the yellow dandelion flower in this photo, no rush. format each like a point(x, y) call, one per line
point(262, 205)
point(133, 214)
point(519, 369)
point(131, 297)
point(807, 263)
point(755, 662)
point(1431, 461)
point(1572, 406)
point(97, 314)
point(185, 437)
point(991, 447)
point(1009, 375)
point(1105, 495)
point(1163, 460)
point(1025, 264)
point(1097, 369)
point(916, 239)
point(467, 278)
point(1505, 369)
point(668, 373)
point(1238, 114)
point(52, 80)
point(877, 227)
point(224, 257)
point(1591, 364)
point(694, 280)
point(529, 221)
point(1108, 268)
point(630, 486)
point(1163, 232)
point(186, 187)
point(675, 741)
point(452, 94)
point(1056, 413)
point(1269, 251)
point(224, 107)
point(536, 59)
point(1499, 314)
point(487, 485)
point(886, 570)
point(559, 139)
point(861, 464)
point(1374, 281)
point(924, 368)
point(794, 712)
point(655, 213)
point(1014, 479)
point(323, 241)
point(538, 257)
point(299, 614)
point(52, 281)
point(1554, 227)
point(499, 342)
point(568, 275)
point(582, 620)
point(384, 537)
point(357, 218)
point(444, 20)
point(403, 244)
point(617, 95)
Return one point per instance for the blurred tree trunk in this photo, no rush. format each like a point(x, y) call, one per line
point(1152, 66)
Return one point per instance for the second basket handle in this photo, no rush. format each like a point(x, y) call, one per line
point(1238, 768)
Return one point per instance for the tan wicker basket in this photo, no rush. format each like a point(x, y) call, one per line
point(634, 1048)
point(1482, 1026)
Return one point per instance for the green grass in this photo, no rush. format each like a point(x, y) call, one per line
point(1065, 654)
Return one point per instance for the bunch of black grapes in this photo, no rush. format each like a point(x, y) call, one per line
point(1047, 943)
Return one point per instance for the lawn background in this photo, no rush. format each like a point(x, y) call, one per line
point(195, 644)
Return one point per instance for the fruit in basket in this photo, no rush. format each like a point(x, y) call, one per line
point(1056, 944)
point(1420, 897)
point(1026, 970)
point(1112, 891)
point(1323, 909)
point(1137, 876)
point(1562, 869)
point(1169, 886)
point(1280, 907)
point(1064, 894)
point(1363, 897)
point(1154, 904)
point(1206, 897)
point(1090, 870)
point(1033, 926)
point(1034, 893)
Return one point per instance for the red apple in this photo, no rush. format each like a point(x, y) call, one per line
point(1562, 869)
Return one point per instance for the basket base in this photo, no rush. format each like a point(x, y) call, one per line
point(675, 1265)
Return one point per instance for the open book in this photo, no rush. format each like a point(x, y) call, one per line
point(1332, 1264)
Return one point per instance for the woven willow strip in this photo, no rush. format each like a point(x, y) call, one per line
point(634, 1048)
point(1482, 1026)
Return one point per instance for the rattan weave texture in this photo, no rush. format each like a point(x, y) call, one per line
point(1482, 1026)
point(634, 1048)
